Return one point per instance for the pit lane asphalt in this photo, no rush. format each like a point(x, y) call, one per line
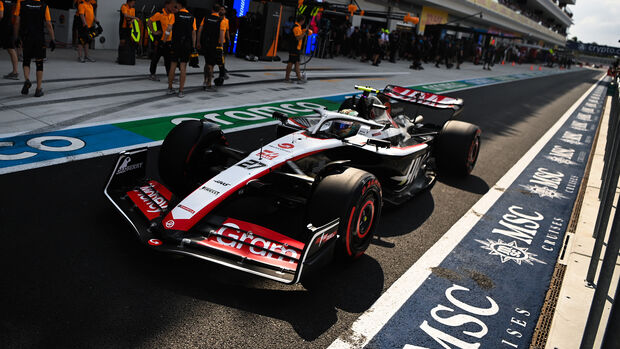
point(75, 276)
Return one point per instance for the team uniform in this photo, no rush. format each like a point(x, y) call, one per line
point(210, 39)
point(86, 9)
point(6, 24)
point(181, 45)
point(293, 56)
point(77, 21)
point(124, 24)
point(32, 17)
point(162, 49)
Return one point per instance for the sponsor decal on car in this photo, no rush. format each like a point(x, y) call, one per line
point(155, 242)
point(326, 237)
point(187, 209)
point(210, 190)
point(125, 166)
point(151, 199)
point(268, 154)
point(286, 145)
point(256, 243)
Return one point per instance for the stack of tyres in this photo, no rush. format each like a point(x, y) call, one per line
point(127, 55)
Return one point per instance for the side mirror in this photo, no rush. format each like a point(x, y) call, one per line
point(380, 143)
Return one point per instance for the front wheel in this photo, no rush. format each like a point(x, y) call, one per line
point(353, 196)
point(187, 154)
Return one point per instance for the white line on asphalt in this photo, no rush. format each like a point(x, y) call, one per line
point(373, 319)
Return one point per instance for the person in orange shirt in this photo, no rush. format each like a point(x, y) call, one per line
point(182, 45)
point(7, 41)
point(31, 17)
point(128, 13)
point(163, 36)
point(211, 37)
point(293, 57)
point(87, 19)
point(77, 22)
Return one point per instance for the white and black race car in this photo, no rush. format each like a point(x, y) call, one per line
point(313, 193)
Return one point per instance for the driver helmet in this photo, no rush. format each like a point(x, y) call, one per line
point(343, 129)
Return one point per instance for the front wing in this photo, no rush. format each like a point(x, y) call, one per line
point(223, 240)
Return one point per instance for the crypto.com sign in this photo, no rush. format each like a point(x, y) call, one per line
point(593, 49)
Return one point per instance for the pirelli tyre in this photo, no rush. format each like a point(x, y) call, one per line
point(354, 196)
point(457, 148)
point(187, 155)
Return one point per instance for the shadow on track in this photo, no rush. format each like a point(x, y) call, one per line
point(403, 219)
point(471, 183)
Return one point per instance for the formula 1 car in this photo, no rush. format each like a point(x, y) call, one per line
point(316, 191)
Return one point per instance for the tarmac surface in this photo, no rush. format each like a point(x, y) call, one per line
point(75, 276)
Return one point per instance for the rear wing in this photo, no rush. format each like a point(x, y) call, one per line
point(236, 244)
point(423, 98)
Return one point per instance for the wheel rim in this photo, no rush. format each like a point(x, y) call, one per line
point(359, 226)
point(472, 155)
point(365, 218)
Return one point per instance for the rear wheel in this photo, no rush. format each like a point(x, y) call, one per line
point(187, 154)
point(353, 196)
point(457, 148)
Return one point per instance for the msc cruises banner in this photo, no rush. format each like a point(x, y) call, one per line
point(488, 292)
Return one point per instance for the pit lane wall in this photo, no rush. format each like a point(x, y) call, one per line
point(22, 152)
point(488, 290)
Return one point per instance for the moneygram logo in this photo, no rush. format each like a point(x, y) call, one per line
point(256, 243)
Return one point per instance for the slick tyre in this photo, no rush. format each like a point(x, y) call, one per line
point(184, 151)
point(353, 196)
point(457, 148)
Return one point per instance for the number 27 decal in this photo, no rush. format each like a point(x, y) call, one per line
point(252, 164)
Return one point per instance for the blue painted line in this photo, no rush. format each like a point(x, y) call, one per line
point(82, 141)
point(488, 292)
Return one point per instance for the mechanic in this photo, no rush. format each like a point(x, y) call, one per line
point(128, 14)
point(211, 36)
point(7, 8)
point(87, 19)
point(182, 44)
point(293, 58)
point(226, 25)
point(30, 18)
point(163, 36)
point(77, 22)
